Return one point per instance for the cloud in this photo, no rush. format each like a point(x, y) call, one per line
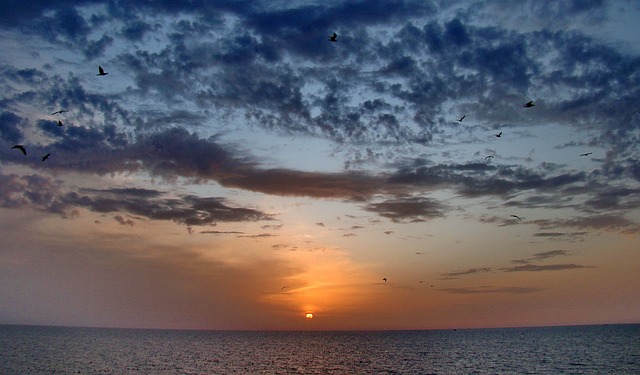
point(542, 256)
point(408, 208)
point(546, 267)
point(549, 254)
point(220, 232)
point(42, 193)
point(491, 290)
point(604, 222)
point(227, 71)
point(123, 221)
point(470, 271)
point(10, 127)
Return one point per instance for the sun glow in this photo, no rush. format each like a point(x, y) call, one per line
point(309, 316)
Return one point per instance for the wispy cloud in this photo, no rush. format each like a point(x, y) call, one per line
point(491, 290)
point(470, 271)
point(545, 267)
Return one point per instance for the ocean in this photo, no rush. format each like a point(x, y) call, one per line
point(601, 349)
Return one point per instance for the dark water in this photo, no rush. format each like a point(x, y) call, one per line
point(612, 349)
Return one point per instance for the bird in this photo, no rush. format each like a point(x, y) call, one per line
point(21, 148)
point(586, 154)
point(516, 216)
point(60, 123)
point(462, 118)
point(101, 71)
point(529, 104)
point(384, 279)
point(58, 112)
point(46, 157)
point(488, 157)
point(499, 134)
point(333, 37)
point(284, 287)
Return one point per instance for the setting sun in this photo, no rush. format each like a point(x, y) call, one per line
point(309, 316)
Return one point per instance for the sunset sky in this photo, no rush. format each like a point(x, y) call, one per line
point(235, 169)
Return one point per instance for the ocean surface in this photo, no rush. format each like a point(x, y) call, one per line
point(603, 349)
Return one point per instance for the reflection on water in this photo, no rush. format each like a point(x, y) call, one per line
point(576, 350)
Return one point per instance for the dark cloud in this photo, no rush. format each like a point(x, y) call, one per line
point(374, 87)
point(41, 193)
point(408, 208)
point(11, 127)
point(135, 30)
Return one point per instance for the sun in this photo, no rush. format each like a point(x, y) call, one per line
point(309, 316)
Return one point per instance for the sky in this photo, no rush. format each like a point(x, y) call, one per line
point(237, 170)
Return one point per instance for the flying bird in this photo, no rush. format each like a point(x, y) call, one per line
point(499, 134)
point(488, 157)
point(284, 287)
point(59, 123)
point(333, 37)
point(529, 104)
point(21, 148)
point(46, 157)
point(101, 71)
point(516, 216)
point(384, 279)
point(586, 154)
point(462, 118)
point(58, 112)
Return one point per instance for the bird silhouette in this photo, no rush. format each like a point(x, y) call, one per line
point(586, 154)
point(462, 118)
point(60, 123)
point(46, 157)
point(516, 216)
point(384, 279)
point(499, 135)
point(529, 104)
point(284, 287)
point(58, 112)
point(101, 71)
point(333, 37)
point(21, 148)
point(488, 157)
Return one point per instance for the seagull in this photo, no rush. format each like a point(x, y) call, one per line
point(101, 71)
point(529, 104)
point(384, 279)
point(488, 157)
point(21, 148)
point(499, 134)
point(462, 118)
point(516, 216)
point(60, 111)
point(59, 123)
point(46, 157)
point(333, 37)
point(586, 154)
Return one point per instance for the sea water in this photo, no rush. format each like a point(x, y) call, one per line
point(603, 349)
